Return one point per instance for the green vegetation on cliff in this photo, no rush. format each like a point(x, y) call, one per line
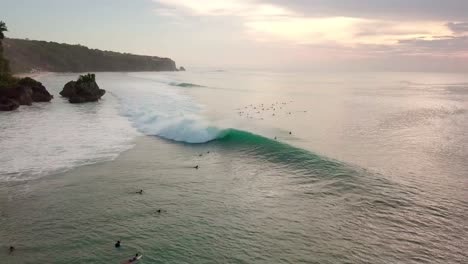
point(6, 79)
point(3, 28)
point(29, 55)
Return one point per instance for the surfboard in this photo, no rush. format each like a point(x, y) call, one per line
point(133, 261)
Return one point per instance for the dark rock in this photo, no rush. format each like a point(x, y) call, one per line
point(23, 92)
point(24, 95)
point(77, 99)
point(39, 92)
point(69, 89)
point(20, 94)
point(7, 104)
point(84, 90)
point(181, 69)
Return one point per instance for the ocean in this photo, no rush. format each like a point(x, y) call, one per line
point(293, 167)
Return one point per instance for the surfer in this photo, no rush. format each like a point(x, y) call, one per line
point(12, 248)
point(196, 167)
point(140, 192)
point(159, 211)
point(117, 244)
point(135, 259)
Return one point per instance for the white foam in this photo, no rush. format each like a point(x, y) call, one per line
point(52, 137)
point(158, 109)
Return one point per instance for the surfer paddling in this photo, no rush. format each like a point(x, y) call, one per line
point(136, 258)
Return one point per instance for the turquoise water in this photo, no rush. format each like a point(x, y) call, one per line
point(293, 168)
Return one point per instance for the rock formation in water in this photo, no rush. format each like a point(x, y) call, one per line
point(22, 92)
point(181, 68)
point(39, 92)
point(84, 90)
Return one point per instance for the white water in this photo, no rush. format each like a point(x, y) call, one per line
point(52, 137)
point(156, 108)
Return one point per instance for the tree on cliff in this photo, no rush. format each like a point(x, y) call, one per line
point(5, 75)
point(3, 28)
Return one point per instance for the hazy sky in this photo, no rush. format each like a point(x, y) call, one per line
point(296, 34)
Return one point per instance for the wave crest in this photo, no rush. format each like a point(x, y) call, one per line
point(182, 130)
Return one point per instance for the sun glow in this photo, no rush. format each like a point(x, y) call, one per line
point(343, 30)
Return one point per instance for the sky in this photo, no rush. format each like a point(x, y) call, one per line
point(380, 35)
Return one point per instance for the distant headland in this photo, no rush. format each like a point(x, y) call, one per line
point(28, 56)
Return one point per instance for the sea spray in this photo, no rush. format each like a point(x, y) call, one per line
point(156, 108)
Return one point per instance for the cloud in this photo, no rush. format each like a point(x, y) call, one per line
point(166, 12)
point(441, 46)
point(239, 8)
point(205, 7)
point(301, 30)
point(345, 30)
point(265, 20)
point(458, 27)
point(361, 27)
point(448, 10)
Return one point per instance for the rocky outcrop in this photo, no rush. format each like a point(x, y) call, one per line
point(23, 95)
point(7, 104)
point(181, 68)
point(23, 92)
point(84, 90)
point(39, 92)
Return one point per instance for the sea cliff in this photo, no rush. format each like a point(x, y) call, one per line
point(32, 55)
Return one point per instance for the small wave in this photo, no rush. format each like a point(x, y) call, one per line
point(185, 85)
